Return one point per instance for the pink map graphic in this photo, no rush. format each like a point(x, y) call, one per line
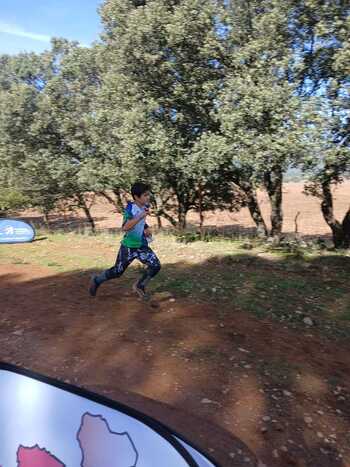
point(36, 457)
point(100, 446)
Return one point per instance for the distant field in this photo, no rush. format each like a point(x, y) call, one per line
point(310, 220)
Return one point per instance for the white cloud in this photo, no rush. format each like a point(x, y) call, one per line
point(20, 32)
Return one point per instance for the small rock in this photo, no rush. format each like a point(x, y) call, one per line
point(275, 454)
point(208, 401)
point(243, 350)
point(308, 321)
point(308, 420)
point(232, 455)
point(172, 300)
point(163, 296)
point(19, 332)
point(289, 459)
point(319, 434)
point(287, 394)
point(266, 418)
point(263, 430)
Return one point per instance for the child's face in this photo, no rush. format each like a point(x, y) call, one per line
point(144, 199)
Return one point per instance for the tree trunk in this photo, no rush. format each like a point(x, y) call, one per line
point(274, 187)
point(201, 224)
point(120, 202)
point(182, 210)
point(167, 216)
point(83, 205)
point(254, 208)
point(200, 212)
point(156, 202)
point(117, 202)
point(296, 230)
point(346, 229)
point(327, 209)
point(182, 219)
point(47, 220)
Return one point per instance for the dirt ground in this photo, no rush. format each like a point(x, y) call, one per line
point(310, 220)
point(284, 393)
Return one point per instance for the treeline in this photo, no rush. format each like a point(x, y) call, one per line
point(207, 100)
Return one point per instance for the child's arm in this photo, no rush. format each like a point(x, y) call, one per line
point(148, 231)
point(132, 222)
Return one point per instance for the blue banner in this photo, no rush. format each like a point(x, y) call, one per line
point(12, 231)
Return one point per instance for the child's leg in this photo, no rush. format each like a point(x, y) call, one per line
point(125, 257)
point(150, 259)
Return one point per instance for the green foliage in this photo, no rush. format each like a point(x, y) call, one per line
point(206, 100)
point(11, 200)
point(163, 78)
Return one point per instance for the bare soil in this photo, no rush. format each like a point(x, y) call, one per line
point(284, 393)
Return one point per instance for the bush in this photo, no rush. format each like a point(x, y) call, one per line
point(11, 200)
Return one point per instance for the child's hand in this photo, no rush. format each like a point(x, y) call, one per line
point(144, 213)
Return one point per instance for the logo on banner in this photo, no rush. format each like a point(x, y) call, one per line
point(12, 231)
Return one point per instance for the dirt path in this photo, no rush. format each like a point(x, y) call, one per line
point(285, 394)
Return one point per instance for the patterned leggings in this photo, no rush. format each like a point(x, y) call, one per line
point(125, 257)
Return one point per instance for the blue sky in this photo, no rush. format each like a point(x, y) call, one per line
point(28, 25)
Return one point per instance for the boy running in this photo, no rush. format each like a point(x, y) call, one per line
point(134, 244)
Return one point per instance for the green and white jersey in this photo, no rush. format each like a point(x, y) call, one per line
point(135, 237)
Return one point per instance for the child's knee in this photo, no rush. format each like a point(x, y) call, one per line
point(156, 268)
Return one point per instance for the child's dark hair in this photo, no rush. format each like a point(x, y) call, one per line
point(138, 189)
